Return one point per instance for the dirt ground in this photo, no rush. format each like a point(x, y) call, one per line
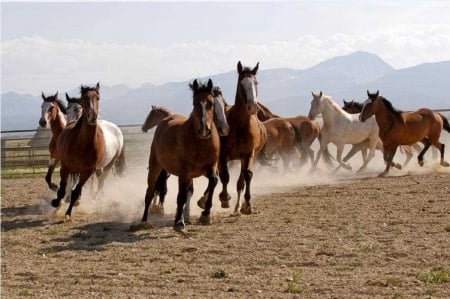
point(346, 237)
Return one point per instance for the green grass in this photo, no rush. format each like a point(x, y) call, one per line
point(436, 275)
point(220, 274)
point(294, 286)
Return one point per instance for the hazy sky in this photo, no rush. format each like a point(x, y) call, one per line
point(58, 46)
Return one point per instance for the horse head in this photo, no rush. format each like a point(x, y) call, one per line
point(220, 118)
point(352, 106)
point(247, 87)
point(316, 105)
point(90, 98)
point(154, 117)
point(50, 108)
point(203, 112)
point(370, 106)
point(74, 109)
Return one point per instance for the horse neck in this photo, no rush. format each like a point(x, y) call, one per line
point(385, 119)
point(328, 113)
point(87, 133)
point(58, 123)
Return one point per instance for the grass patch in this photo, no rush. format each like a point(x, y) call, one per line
point(220, 274)
point(294, 286)
point(447, 228)
point(25, 293)
point(436, 275)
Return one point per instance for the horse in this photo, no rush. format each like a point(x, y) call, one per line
point(404, 128)
point(74, 109)
point(246, 138)
point(283, 138)
point(88, 146)
point(188, 148)
point(340, 128)
point(53, 112)
point(155, 116)
point(264, 113)
point(353, 107)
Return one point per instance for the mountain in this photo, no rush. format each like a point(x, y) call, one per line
point(285, 91)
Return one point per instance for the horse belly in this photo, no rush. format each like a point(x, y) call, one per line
point(113, 140)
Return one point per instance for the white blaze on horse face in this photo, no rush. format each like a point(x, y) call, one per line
point(74, 112)
point(219, 112)
point(46, 107)
point(250, 92)
point(206, 127)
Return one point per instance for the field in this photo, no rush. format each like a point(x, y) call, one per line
point(313, 236)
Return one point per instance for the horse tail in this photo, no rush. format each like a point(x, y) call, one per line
point(298, 139)
point(120, 163)
point(446, 123)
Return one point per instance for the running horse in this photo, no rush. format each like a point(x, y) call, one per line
point(246, 138)
point(87, 146)
point(53, 112)
point(404, 128)
point(340, 128)
point(188, 148)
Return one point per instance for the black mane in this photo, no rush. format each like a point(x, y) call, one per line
point(85, 89)
point(389, 106)
point(202, 87)
point(62, 106)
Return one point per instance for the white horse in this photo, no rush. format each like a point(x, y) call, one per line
point(341, 128)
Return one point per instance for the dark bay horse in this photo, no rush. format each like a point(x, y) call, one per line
point(188, 148)
point(402, 128)
point(246, 138)
point(81, 147)
point(53, 113)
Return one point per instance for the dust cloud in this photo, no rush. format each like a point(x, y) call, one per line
point(122, 198)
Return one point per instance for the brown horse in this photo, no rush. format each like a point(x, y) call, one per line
point(53, 113)
point(355, 108)
point(398, 128)
point(282, 138)
point(246, 138)
point(187, 148)
point(81, 147)
point(264, 113)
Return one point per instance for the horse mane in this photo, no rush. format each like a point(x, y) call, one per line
point(162, 109)
point(74, 100)
point(357, 104)
point(334, 105)
point(389, 106)
point(84, 89)
point(61, 106)
point(216, 91)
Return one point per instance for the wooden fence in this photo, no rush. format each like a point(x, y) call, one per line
point(26, 152)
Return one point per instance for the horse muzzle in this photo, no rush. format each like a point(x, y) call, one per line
point(43, 122)
point(224, 131)
point(204, 134)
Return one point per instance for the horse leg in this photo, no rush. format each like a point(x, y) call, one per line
point(225, 179)
point(205, 218)
point(152, 177)
point(76, 193)
point(183, 190)
point(48, 178)
point(239, 186)
point(408, 153)
point(388, 155)
point(187, 206)
point(427, 144)
point(248, 175)
point(340, 149)
point(443, 162)
point(161, 191)
point(64, 174)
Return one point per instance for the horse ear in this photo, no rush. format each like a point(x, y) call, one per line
point(368, 93)
point(345, 102)
point(320, 94)
point(255, 69)
point(195, 85)
point(239, 67)
point(210, 85)
point(56, 95)
point(43, 96)
point(67, 97)
point(378, 92)
point(312, 92)
point(97, 87)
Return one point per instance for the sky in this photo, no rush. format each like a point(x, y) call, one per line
point(60, 45)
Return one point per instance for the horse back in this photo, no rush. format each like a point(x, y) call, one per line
point(113, 139)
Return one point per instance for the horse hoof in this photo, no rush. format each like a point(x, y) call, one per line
point(445, 164)
point(421, 163)
point(398, 166)
point(202, 202)
point(76, 203)
point(205, 220)
point(55, 203)
point(140, 226)
point(67, 218)
point(382, 175)
point(246, 209)
point(54, 187)
point(224, 200)
point(180, 227)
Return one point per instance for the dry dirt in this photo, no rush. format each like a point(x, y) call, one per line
point(350, 237)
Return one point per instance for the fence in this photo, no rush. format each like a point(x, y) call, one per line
point(25, 152)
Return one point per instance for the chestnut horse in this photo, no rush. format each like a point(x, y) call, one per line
point(353, 107)
point(53, 113)
point(404, 128)
point(187, 148)
point(246, 138)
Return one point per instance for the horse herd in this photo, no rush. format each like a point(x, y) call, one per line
point(216, 133)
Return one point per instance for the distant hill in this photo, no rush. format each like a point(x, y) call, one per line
point(286, 91)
